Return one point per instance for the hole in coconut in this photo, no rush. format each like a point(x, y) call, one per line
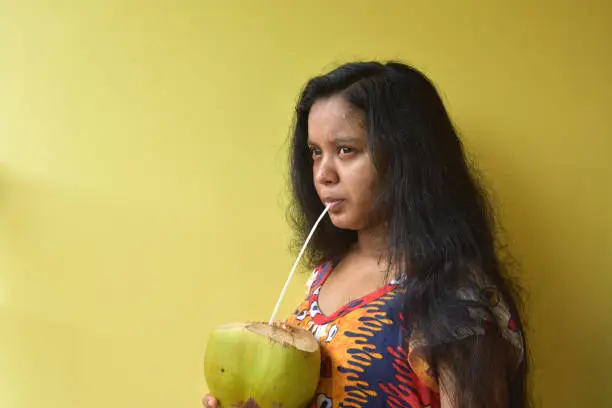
point(223, 370)
point(281, 333)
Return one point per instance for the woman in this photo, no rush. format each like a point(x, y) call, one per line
point(409, 298)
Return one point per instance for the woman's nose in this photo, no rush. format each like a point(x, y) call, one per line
point(326, 173)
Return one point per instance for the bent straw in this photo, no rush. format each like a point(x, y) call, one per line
point(297, 261)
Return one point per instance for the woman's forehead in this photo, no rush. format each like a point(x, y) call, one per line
point(334, 118)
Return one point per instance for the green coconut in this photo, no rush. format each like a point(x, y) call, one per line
point(262, 365)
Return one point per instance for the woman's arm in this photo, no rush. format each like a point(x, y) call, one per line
point(474, 372)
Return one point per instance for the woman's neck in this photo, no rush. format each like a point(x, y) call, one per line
point(372, 242)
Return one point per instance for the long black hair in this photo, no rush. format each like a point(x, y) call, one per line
point(441, 225)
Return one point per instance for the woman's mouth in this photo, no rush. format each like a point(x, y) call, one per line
point(332, 202)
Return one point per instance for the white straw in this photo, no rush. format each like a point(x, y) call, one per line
point(297, 261)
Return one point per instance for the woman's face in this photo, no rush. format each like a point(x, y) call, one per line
point(343, 171)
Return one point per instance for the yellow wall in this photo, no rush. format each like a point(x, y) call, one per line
point(142, 169)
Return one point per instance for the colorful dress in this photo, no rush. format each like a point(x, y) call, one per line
point(367, 358)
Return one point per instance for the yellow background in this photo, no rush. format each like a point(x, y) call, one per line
point(142, 171)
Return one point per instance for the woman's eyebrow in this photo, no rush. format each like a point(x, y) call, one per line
point(346, 139)
point(340, 140)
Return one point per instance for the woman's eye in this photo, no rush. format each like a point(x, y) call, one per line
point(346, 150)
point(315, 151)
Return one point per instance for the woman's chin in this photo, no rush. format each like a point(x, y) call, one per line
point(342, 222)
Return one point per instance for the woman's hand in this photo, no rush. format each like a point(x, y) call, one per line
point(209, 401)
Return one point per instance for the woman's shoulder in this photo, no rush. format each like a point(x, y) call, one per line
point(493, 308)
point(479, 306)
